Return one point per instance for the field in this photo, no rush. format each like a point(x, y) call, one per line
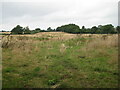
point(60, 60)
point(4, 33)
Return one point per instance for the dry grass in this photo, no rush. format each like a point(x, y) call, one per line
point(5, 32)
point(24, 41)
point(62, 48)
point(27, 42)
point(74, 60)
point(101, 42)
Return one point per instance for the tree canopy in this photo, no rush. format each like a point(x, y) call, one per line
point(26, 30)
point(70, 28)
point(17, 30)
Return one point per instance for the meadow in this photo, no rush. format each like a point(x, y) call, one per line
point(60, 60)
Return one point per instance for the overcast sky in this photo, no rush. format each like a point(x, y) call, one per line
point(53, 13)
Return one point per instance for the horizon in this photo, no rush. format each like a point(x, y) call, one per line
point(58, 26)
point(44, 14)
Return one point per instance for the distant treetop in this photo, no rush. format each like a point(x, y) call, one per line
point(70, 28)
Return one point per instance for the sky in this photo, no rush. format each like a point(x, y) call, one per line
point(53, 13)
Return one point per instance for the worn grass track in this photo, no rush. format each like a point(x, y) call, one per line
point(60, 60)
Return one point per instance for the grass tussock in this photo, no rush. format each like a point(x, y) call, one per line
point(60, 60)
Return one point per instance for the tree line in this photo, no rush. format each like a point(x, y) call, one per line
point(70, 28)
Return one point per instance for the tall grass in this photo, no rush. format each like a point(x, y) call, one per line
point(58, 61)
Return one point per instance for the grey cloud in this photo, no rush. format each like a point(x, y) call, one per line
point(59, 12)
point(20, 9)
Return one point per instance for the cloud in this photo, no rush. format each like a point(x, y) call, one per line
point(53, 13)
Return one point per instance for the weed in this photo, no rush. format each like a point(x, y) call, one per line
point(37, 69)
point(52, 82)
point(9, 69)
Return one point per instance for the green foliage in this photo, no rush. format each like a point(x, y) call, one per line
point(17, 30)
point(26, 30)
point(50, 29)
point(70, 28)
point(38, 29)
point(107, 29)
point(9, 69)
point(100, 69)
point(37, 69)
point(41, 39)
point(94, 29)
point(52, 82)
point(20, 30)
point(34, 31)
point(118, 29)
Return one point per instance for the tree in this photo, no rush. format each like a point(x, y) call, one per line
point(70, 28)
point(38, 29)
point(99, 31)
point(26, 30)
point(87, 30)
point(49, 29)
point(17, 30)
point(94, 30)
point(106, 29)
point(118, 29)
point(83, 29)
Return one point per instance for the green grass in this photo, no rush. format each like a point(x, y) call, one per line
point(46, 66)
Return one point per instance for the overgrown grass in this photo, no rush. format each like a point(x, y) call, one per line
point(42, 62)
